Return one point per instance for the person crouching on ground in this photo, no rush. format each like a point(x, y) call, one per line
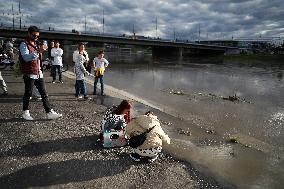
point(152, 146)
point(116, 117)
point(79, 69)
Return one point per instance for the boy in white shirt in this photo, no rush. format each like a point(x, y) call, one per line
point(99, 64)
point(57, 53)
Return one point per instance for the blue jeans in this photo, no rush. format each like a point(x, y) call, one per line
point(80, 88)
point(59, 68)
point(96, 82)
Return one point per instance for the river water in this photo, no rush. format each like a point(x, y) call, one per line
point(226, 100)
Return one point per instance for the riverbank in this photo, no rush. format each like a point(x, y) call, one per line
point(64, 153)
point(204, 120)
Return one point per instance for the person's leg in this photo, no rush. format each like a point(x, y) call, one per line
point(95, 85)
point(39, 83)
point(3, 84)
point(102, 84)
point(60, 73)
point(82, 87)
point(29, 83)
point(53, 73)
point(51, 69)
point(77, 88)
point(36, 93)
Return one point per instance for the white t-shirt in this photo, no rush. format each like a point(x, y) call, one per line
point(100, 63)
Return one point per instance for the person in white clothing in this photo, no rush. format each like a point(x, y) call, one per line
point(57, 53)
point(82, 51)
point(99, 65)
point(80, 71)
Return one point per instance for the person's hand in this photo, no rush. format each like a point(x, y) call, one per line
point(36, 54)
point(89, 74)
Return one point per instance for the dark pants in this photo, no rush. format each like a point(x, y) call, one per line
point(59, 68)
point(96, 82)
point(80, 87)
point(29, 84)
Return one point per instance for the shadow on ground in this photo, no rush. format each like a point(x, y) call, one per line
point(63, 172)
point(66, 145)
point(11, 98)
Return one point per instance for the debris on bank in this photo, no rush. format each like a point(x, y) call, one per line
point(234, 140)
point(183, 132)
point(233, 98)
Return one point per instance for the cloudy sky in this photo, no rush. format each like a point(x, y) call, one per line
point(217, 19)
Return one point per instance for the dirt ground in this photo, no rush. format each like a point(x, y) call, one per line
point(65, 153)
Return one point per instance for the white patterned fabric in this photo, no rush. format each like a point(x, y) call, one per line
point(150, 152)
point(115, 119)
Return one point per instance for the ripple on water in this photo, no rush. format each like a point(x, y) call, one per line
point(275, 124)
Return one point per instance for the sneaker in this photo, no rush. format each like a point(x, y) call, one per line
point(61, 81)
point(53, 81)
point(38, 98)
point(79, 97)
point(53, 115)
point(135, 156)
point(103, 94)
point(86, 98)
point(26, 115)
point(152, 159)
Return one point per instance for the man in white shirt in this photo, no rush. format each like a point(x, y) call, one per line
point(99, 64)
point(57, 53)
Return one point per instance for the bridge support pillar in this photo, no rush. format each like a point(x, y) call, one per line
point(180, 54)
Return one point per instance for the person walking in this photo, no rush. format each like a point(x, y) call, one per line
point(3, 85)
point(31, 68)
point(56, 53)
point(99, 65)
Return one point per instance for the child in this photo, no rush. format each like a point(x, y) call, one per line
point(79, 69)
point(114, 122)
point(99, 64)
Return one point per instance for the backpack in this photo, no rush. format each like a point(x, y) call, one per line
point(138, 140)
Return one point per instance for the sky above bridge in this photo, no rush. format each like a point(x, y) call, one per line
point(182, 19)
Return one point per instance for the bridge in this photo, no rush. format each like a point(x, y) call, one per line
point(159, 47)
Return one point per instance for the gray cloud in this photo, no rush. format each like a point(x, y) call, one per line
point(216, 18)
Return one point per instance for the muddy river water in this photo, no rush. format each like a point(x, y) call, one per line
point(216, 103)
